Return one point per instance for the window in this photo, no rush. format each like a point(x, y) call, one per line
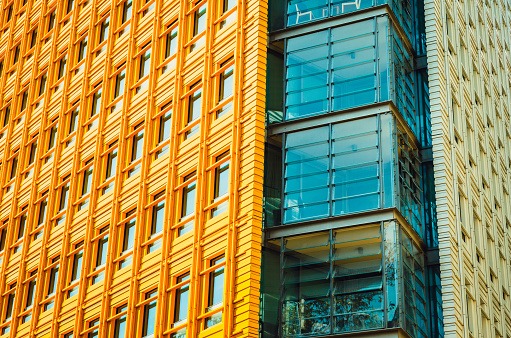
point(225, 88)
point(70, 4)
point(6, 116)
point(127, 237)
point(215, 292)
point(8, 305)
point(226, 6)
point(137, 148)
point(126, 8)
point(119, 330)
point(149, 313)
point(13, 167)
point(144, 66)
point(170, 43)
point(62, 67)
point(20, 231)
point(42, 84)
point(333, 283)
point(335, 75)
point(358, 293)
point(101, 252)
point(198, 25)
point(95, 108)
point(93, 326)
point(147, 5)
point(8, 13)
point(33, 38)
point(120, 79)
point(156, 222)
point(75, 269)
point(194, 110)
point(110, 167)
point(63, 195)
point(3, 236)
point(103, 30)
point(32, 153)
point(41, 216)
point(51, 139)
point(51, 21)
point(72, 124)
point(86, 184)
point(16, 54)
point(409, 176)
point(29, 296)
point(182, 295)
point(24, 100)
point(303, 11)
point(52, 274)
point(220, 184)
point(82, 49)
point(163, 129)
point(187, 205)
point(349, 159)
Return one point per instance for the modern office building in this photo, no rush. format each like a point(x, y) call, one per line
point(255, 168)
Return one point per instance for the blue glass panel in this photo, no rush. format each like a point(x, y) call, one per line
point(354, 29)
point(360, 187)
point(307, 55)
point(307, 82)
point(306, 109)
point(307, 152)
point(355, 127)
point(353, 57)
point(306, 96)
point(355, 143)
point(305, 168)
point(306, 69)
point(309, 40)
point(355, 173)
point(307, 182)
point(359, 321)
point(307, 137)
point(344, 44)
point(356, 204)
point(305, 212)
point(306, 197)
point(355, 157)
point(346, 6)
point(302, 11)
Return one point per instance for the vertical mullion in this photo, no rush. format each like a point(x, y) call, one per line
point(384, 272)
point(202, 179)
point(332, 272)
point(93, 194)
point(281, 287)
point(234, 173)
point(14, 202)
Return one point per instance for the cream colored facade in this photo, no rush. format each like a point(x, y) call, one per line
point(468, 48)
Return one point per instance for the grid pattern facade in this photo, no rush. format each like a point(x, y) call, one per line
point(468, 47)
point(345, 219)
point(131, 149)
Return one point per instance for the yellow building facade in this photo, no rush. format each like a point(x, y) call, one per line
point(131, 147)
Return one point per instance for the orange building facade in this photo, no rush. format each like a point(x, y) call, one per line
point(131, 163)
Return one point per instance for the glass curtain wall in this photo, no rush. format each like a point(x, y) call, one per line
point(348, 66)
point(349, 167)
point(350, 279)
point(304, 11)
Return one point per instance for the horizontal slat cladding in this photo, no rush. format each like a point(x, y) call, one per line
point(470, 98)
point(80, 202)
